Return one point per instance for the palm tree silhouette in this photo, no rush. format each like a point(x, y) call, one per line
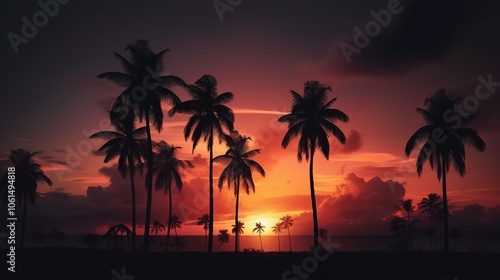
point(323, 234)
point(286, 223)
point(156, 227)
point(443, 136)
point(26, 176)
point(129, 145)
point(313, 119)
point(399, 226)
point(145, 89)
point(407, 207)
point(237, 230)
point(204, 220)
point(209, 118)
point(174, 223)
point(431, 233)
point(166, 168)
point(239, 169)
point(277, 230)
point(432, 205)
point(223, 237)
point(260, 229)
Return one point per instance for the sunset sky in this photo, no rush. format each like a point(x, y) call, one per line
point(259, 51)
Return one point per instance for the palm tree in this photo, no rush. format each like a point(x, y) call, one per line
point(237, 230)
point(277, 230)
point(209, 118)
point(286, 223)
point(260, 229)
point(129, 145)
point(204, 220)
point(239, 169)
point(399, 226)
point(174, 223)
point(432, 205)
point(145, 89)
point(430, 232)
point(223, 237)
point(443, 136)
point(157, 227)
point(24, 174)
point(407, 207)
point(323, 234)
point(166, 168)
point(312, 118)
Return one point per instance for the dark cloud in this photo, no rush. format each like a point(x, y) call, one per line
point(476, 220)
point(354, 142)
point(423, 32)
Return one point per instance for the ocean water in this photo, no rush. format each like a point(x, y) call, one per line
point(270, 243)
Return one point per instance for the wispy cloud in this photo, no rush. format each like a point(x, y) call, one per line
point(257, 111)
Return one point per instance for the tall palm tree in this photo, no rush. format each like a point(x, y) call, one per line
point(129, 145)
point(432, 205)
point(209, 118)
point(166, 168)
point(204, 221)
point(174, 223)
point(145, 89)
point(157, 227)
point(277, 228)
point(443, 139)
point(223, 237)
point(259, 228)
point(238, 171)
point(312, 118)
point(407, 207)
point(237, 230)
point(286, 223)
point(25, 177)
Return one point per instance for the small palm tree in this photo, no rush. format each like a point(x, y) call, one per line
point(287, 222)
point(129, 145)
point(157, 227)
point(237, 230)
point(399, 226)
point(432, 205)
point(277, 228)
point(312, 118)
point(407, 207)
point(443, 137)
point(223, 237)
point(259, 228)
point(204, 221)
point(323, 234)
point(209, 117)
point(174, 223)
point(25, 178)
point(166, 168)
point(239, 169)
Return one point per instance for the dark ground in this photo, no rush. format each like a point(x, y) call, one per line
point(72, 263)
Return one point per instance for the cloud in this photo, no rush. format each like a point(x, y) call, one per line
point(476, 220)
point(423, 32)
point(354, 142)
point(356, 206)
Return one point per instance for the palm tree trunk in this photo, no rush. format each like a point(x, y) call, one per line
point(211, 192)
point(410, 232)
point(445, 208)
point(313, 200)
point(219, 247)
point(260, 237)
point(169, 218)
point(132, 184)
point(289, 239)
point(236, 232)
point(149, 184)
point(24, 221)
point(279, 243)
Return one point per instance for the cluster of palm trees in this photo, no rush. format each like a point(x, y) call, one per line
point(311, 120)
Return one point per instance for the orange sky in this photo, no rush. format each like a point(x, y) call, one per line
point(259, 59)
